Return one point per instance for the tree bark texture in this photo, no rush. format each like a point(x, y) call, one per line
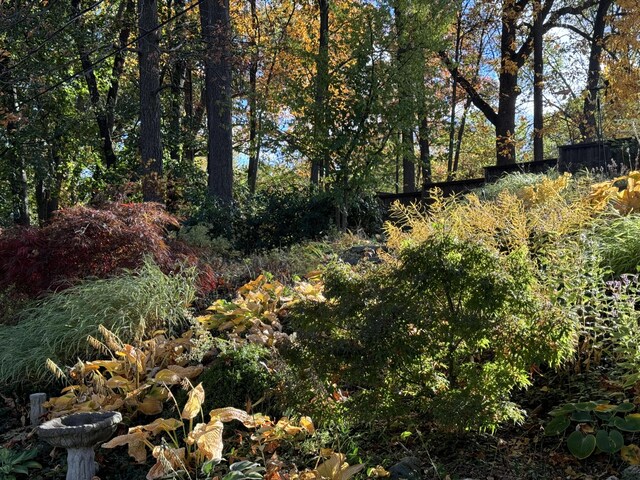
point(508, 90)
point(150, 109)
point(216, 31)
point(17, 169)
point(589, 126)
point(320, 160)
point(92, 85)
point(538, 83)
point(405, 102)
point(254, 149)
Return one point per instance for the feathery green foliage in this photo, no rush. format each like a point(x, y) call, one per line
point(449, 329)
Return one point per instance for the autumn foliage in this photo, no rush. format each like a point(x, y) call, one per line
point(83, 242)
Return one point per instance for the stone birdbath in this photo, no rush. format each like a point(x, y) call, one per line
point(79, 433)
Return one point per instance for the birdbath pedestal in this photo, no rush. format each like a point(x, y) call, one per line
point(79, 433)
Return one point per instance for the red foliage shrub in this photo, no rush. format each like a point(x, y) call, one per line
point(83, 242)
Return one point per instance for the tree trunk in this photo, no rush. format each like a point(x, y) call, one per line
point(116, 72)
point(49, 184)
point(460, 135)
point(508, 90)
point(320, 161)
point(17, 174)
point(214, 17)
point(538, 83)
point(589, 127)
point(406, 113)
point(175, 137)
point(188, 120)
point(425, 154)
point(92, 85)
point(454, 98)
point(254, 158)
point(150, 109)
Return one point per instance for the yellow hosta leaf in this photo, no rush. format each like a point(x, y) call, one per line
point(326, 452)
point(631, 454)
point(158, 393)
point(168, 377)
point(118, 381)
point(208, 439)
point(171, 457)
point(194, 402)
point(162, 425)
point(378, 472)
point(135, 439)
point(150, 406)
point(335, 468)
point(109, 365)
point(113, 403)
point(186, 372)
point(71, 388)
point(227, 414)
point(307, 424)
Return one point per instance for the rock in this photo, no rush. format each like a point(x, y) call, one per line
point(356, 254)
point(407, 469)
point(631, 473)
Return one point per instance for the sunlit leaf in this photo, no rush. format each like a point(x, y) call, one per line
point(194, 402)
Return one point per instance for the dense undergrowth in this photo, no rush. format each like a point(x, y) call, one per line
point(531, 283)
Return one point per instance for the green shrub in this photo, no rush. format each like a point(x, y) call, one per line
point(130, 305)
point(278, 218)
point(450, 329)
point(238, 375)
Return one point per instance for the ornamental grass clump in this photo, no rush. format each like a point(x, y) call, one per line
point(130, 305)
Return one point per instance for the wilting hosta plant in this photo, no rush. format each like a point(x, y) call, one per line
point(134, 379)
point(334, 468)
point(258, 308)
point(183, 447)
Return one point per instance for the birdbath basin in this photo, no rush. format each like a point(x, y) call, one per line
point(79, 433)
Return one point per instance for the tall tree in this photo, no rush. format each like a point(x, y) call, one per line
point(252, 176)
point(150, 108)
point(16, 167)
point(538, 82)
point(588, 127)
point(216, 33)
point(513, 56)
point(320, 161)
point(104, 110)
